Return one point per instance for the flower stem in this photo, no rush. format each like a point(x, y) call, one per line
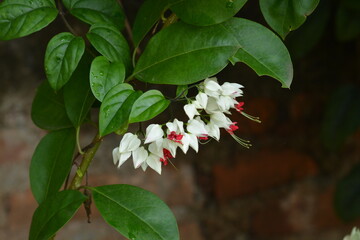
point(85, 163)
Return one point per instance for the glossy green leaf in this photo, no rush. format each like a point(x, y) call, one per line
point(20, 18)
point(108, 41)
point(348, 20)
point(182, 54)
point(148, 14)
point(147, 106)
point(261, 49)
point(135, 212)
point(54, 213)
point(347, 196)
point(104, 75)
point(285, 16)
point(116, 107)
point(48, 109)
point(342, 117)
point(206, 12)
point(62, 56)
point(78, 97)
point(95, 11)
point(51, 163)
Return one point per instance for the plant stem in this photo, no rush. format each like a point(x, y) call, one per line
point(86, 160)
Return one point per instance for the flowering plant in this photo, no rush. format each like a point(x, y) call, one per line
point(173, 42)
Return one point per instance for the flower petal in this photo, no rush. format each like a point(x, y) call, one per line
point(123, 157)
point(190, 110)
point(139, 156)
point(153, 133)
point(154, 162)
point(115, 154)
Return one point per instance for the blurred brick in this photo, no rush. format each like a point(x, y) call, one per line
point(271, 221)
point(261, 171)
point(22, 206)
point(190, 230)
point(13, 146)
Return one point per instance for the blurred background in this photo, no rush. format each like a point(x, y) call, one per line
point(299, 181)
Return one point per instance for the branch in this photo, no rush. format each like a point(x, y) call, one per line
point(86, 160)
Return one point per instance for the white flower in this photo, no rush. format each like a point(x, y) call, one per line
point(152, 161)
point(190, 110)
point(225, 103)
point(139, 156)
point(175, 131)
point(130, 142)
point(212, 106)
point(213, 130)
point(154, 132)
point(211, 87)
point(190, 140)
point(231, 89)
point(220, 120)
point(201, 100)
point(197, 127)
point(355, 235)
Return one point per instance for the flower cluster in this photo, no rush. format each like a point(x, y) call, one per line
point(207, 115)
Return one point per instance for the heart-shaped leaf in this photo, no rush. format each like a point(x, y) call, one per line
point(206, 12)
point(51, 163)
point(116, 107)
point(148, 14)
point(95, 11)
point(108, 41)
point(78, 97)
point(54, 213)
point(147, 106)
point(183, 54)
point(285, 16)
point(48, 109)
point(104, 75)
point(62, 56)
point(20, 18)
point(135, 212)
point(261, 49)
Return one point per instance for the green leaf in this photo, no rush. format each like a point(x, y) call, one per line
point(148, 14)
point(147, 106)
point(62, 55)
point(348, 20)
point(347, 195)
point(20, 18)
point(78, 97)
point(108, 41)
point(51, 163)
point(48, 109)
point(342, 117)
point(206, 12)
point(285, 16)
point(183, 54)
point(135, 212)
point(115, 108)
point(104, 75)
point(54, 213)
point(95, 11)
point(261, 50)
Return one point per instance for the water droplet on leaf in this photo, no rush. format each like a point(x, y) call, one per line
point(101, 73)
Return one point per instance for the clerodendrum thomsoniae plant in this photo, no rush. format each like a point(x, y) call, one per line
point(190, 41)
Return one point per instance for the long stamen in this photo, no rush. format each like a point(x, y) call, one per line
point(255, 119)
point(242, 142)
